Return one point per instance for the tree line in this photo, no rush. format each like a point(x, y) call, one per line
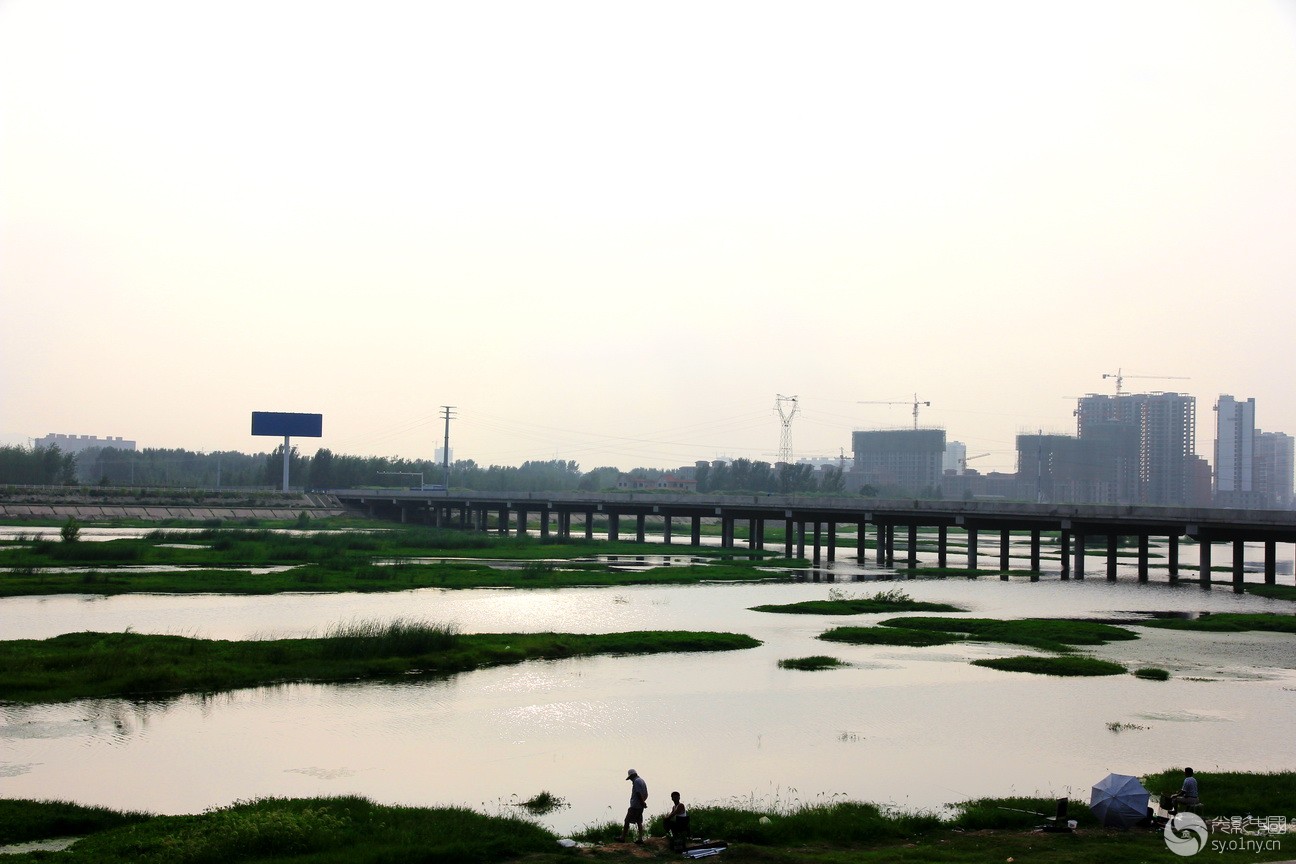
point(178, 468)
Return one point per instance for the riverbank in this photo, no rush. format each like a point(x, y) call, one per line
point(350, 830)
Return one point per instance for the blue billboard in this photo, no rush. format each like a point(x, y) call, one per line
point(282, 424)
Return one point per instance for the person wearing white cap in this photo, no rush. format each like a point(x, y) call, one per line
point(638, 801)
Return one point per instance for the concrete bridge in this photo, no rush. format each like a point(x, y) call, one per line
point(816, 522)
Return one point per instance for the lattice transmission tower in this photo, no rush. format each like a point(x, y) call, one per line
point(785, 414)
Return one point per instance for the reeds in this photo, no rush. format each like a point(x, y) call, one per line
point(399, 637)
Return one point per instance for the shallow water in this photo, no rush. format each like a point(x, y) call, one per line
point(916, 727)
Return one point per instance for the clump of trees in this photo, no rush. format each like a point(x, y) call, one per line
point(746, 475)
point(37, 466)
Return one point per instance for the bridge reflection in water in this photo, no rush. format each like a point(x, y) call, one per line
point(818, 524)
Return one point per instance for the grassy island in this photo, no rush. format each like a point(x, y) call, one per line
point(92, 665)
point(837, 603)
point(1228, 622)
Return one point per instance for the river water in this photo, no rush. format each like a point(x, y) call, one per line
point(913, 727)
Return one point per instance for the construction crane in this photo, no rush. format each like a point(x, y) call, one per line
point(966, 459)
point(1120, 378)
point(915, 403)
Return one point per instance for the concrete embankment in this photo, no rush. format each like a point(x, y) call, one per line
point(26, 506)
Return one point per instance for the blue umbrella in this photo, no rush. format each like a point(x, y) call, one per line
point(1119, 801)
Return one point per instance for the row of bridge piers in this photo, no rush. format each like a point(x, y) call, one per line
point(819, 537)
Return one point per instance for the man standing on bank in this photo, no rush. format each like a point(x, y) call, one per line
point(638, 801)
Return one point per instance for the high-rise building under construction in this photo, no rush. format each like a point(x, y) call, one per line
point(1163, 428)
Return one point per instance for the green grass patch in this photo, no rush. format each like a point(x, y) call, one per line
point(1152, 673)
point(25, 821)
point(1020, 813)
point(1048, 634)
point(893, 600)
point(811, 664)
point(1273, 592)
point(1228, 622)
point(888, 636)
point(387, 560)
point(1235, 793)
point(314, 831)
point(93, 665)
point(1067, 666)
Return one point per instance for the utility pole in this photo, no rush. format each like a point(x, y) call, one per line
point(445, 451)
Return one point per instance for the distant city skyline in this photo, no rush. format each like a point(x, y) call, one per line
point(613, 233)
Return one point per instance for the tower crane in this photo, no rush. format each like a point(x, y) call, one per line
point(915, 403)
point(1120, 378)
point(966, 459)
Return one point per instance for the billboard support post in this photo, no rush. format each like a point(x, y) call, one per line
point(278, 423)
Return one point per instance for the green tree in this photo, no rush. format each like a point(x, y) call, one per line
point(321, 469)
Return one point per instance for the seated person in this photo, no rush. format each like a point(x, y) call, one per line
point(677, 821)
point(1187, 795)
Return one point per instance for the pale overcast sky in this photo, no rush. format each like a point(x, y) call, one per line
point(614, 232)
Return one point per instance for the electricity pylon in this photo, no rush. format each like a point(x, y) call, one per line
point(785, 415)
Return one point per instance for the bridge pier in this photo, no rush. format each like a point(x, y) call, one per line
point(1172, 558)
point(1112, 540)
point(789, 534)
point(1239, 553)
point(589, 524)
point(1064, 542)
point(666, 529)
point(818, 539)
point(1079, 555)
point(1035, 552)
point(1270, 562)
point(1005, 538)
point(800, 542)
point(861, 543)
point(614, 525)
point(832, 542)
point(640, 521)
point(695, 531)
point(942, 552)
point(1204, 562)
point(912, 546)
point(971, 548)
point(879, 548)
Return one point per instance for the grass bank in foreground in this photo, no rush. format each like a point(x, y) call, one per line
point(93, 665)
point(351, 830)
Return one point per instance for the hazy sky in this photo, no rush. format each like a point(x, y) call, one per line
point(613, 232)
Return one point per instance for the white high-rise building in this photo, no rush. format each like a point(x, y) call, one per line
point(1235, 434)
point(955, 457)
